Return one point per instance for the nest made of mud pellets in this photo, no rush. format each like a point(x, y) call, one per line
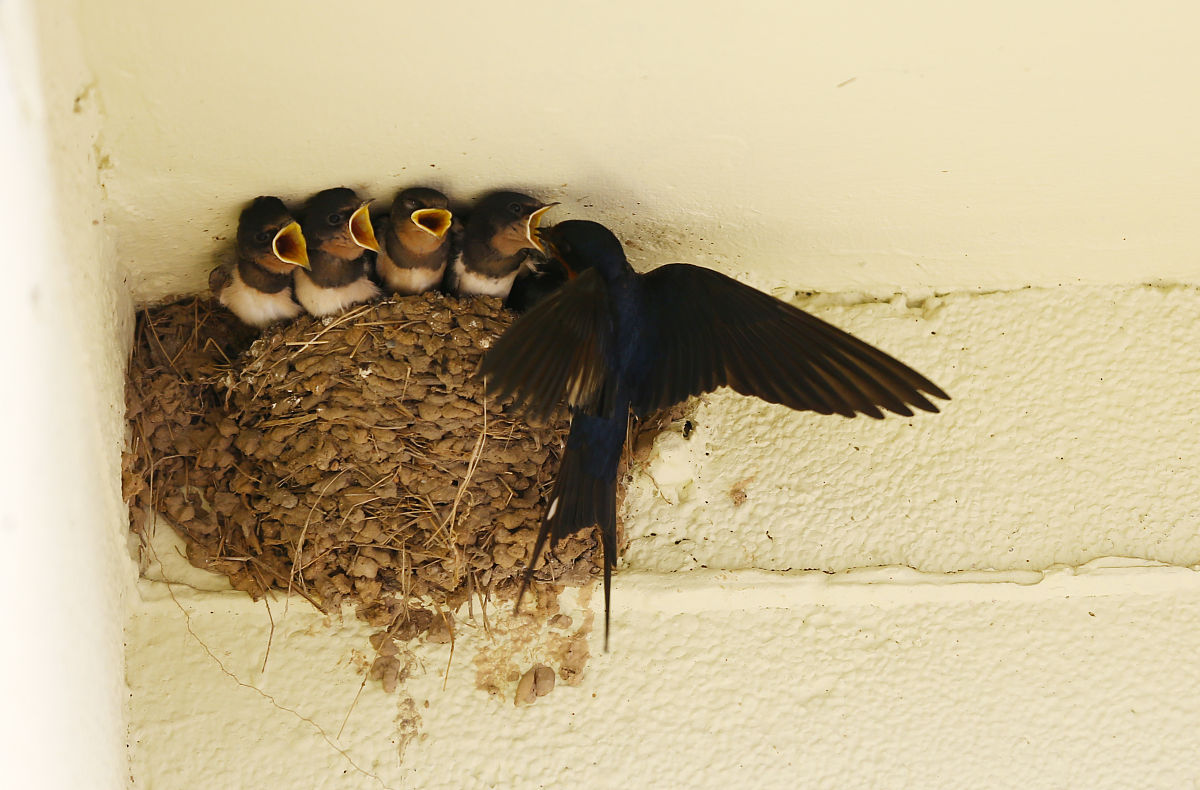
point(348, 460)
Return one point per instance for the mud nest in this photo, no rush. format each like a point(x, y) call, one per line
point(347, 460)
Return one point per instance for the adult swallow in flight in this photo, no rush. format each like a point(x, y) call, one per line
point(338, 228)
point(270, 246)
point(417, 240)
point(613, 341)
point(499, 237)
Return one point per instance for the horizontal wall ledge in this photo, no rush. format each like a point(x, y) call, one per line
point(876, 678)
point(887, 586)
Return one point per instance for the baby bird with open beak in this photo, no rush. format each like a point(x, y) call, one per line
point(270, 247)
point(499, 237)
point(417, 239)
point(338, 228)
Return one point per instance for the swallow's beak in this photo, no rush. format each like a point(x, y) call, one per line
point(361, 230)
point(546, 245)
point(543, 240)
point(289, 247)
point(434, 221)
point(531, 226)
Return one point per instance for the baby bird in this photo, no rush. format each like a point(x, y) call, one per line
point(338, 228)
point(416, 240)
point(270, 246)
point(498, 238)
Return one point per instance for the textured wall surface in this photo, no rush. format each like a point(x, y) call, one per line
point(717, 680)
point(882, 146)
point(967, 619)
point(959, 635)
point(65, 316)
point(1072, 435)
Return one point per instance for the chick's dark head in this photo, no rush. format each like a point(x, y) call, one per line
point(422, 209)
point(508, 221)
point(268, 236)
point(338, 222)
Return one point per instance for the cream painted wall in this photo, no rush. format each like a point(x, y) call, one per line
point(1073, 434)
point(873, 146)
point(873, 149)
point(1087, 679)
point(64, 568)
point(1001, 595)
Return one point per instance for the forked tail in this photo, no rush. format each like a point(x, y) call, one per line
point(584, 495)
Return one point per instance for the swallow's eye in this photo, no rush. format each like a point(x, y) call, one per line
point(564, 247)
point(336, 218)
point(516, 209)
point(410, 205)
point(262, 237)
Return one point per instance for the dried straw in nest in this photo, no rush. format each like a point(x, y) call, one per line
point(347, 460)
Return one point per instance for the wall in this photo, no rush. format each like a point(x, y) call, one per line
point(871, 147)
point(64, 569)
point(1004, 595)
point(1000, 595)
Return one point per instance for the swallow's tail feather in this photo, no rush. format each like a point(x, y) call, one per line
point(584, 495)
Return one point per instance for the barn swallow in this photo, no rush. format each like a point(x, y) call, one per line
point(614, 341)
point(531, 287)
point(499, 237)
point(416, 238)
point(270, 245)
point(338, 228)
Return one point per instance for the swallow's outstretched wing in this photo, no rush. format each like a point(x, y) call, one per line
point(563, 347)
point(709, 330)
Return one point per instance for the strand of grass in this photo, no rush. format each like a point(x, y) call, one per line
point(300, 540)
point(354, 702)
point(450, 658)
point(268, 697)
point(262, 582)
point(150, 325)
point(225, 670)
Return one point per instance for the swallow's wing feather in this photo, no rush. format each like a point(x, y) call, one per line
point(710, 330)
point(561, 347)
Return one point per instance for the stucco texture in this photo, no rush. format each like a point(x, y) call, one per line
point(720, 680)
point(1071, 435)
point(1000, 595)
point(984, 652)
